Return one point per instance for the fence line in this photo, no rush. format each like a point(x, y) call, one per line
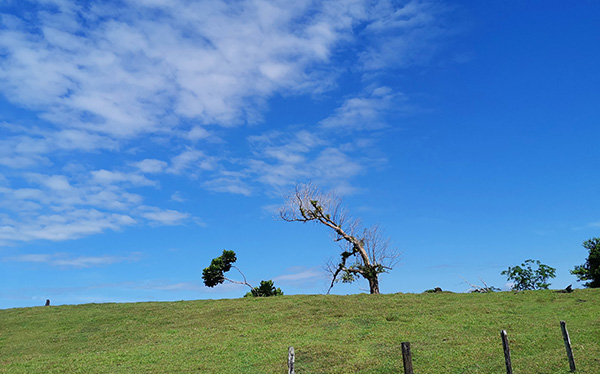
point(563, 327)
point(506, 349)
point(407, 355)
point(407, 358)
point(291, 359)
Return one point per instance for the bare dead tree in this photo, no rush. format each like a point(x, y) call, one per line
point(480, 289)
point(365, 253)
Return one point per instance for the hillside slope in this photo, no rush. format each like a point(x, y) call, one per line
point(449, 333)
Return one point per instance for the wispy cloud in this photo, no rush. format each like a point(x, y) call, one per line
point(177, 197)
point(229, 182)
point(57, 227)
point(188, 286)
point(150, 166)
point(190, 160)
point(165, 217)
point(119, 71)
point(23, 147)
point(62, 207)
point(590, 225)
point(106, 177)
point(66, 261)
point(366, 112)
point(166, 80)
point(302, 277)
point(284, 159)
point(403, 36)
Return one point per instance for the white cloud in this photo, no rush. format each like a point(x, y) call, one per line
point(296, 275)
point(71, 139)
point(403, 36)
point(57, 227)
point(198, 132)
point(191, 159)
point(57, 183)
point(110, 177)
point(302, 277)
point(150, 166)
point(366, 112)
point(164, 217)
point(229, 182)
point(591, 225)
point(30, 147)
point(182, 286)
point(66, 261)
point(281, 160)
point(121, 71)
point(124, 69)
point(177, 197)
point(60, 207)
point(159, 285)
point(103, 80)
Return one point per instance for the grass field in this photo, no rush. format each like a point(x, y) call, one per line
point(449, 333)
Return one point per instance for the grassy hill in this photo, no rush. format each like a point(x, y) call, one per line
point(449, 333)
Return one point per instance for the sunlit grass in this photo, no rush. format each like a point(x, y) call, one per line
point(449, 333)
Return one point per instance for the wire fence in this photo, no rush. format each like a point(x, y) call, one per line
point(407, 354)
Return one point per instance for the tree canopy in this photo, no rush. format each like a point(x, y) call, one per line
point(524, 277)
point(214, 275)
point(590, 270)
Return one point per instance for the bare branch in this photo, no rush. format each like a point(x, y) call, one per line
point(368, 249)
point(239, 282)
point(378, 248)
point(480, 289)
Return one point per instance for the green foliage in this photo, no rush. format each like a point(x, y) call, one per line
point(590, 270)
point(266, 289)
point(214, 274)
point(526, 278)
point(348, 277)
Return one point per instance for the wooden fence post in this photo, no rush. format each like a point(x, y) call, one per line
point(407, 358)
point(563, 327)
point(291, 359)
point(506, 352)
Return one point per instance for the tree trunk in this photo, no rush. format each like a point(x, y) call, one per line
point(374, 284)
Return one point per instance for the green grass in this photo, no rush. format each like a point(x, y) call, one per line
point(449, 333)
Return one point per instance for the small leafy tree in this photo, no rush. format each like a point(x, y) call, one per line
point(590, 270)
point(266, 288)
point(524, 277)
point(215, 274)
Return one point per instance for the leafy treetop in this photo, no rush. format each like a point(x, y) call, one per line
point(215, 274)
point(524, 277)
point(590, 270)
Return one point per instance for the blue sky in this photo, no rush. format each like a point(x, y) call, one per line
point(138, 139)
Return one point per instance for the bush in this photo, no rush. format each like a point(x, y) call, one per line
point(265, 289)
